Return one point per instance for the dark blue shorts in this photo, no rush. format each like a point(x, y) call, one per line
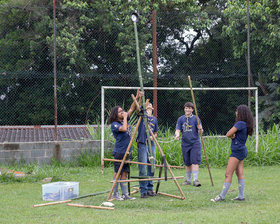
point(192, 154)
point(239, 153)
point(117, 165)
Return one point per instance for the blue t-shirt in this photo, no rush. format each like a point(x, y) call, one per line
point(153, 124)
point(240, 136)
point(122, 138)
point(189, 130)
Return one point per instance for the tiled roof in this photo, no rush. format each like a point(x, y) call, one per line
point(43, 133)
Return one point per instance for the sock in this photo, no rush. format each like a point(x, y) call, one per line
point(225, 190)
point(241, 186)
point(195, 175)
point(123, 187)
point(116, 189)
point(189, 176)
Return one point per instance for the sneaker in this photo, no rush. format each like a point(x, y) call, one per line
point(187, 183)
point(196, 183)
point(116, 196)
point(127, 197)
point(144, 195)
point(238, 199)
point(217, 198)
point(151, 193)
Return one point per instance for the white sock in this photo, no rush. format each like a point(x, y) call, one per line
point(189, 176)
point(195, 175)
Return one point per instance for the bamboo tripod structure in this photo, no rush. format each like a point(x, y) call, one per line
point(166, 165)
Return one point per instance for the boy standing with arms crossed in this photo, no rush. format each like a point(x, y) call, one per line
point(190, 143)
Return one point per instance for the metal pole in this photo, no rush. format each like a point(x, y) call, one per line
point(54, 71)
point(257, 119)
point(155, 61)
point(248, 53)
point(102, 129)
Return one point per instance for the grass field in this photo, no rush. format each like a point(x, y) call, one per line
point(262, 204)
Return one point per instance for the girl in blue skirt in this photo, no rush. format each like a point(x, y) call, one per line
point(238, 133)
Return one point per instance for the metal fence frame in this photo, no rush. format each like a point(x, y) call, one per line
point(103, 88)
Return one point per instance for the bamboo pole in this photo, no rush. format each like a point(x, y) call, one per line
point(142, 90)
point(135, 190)
point(200, 133)
point(140, 163)
point(90, 206)
point(170, 195)
point(51, 203)
point(147, 179)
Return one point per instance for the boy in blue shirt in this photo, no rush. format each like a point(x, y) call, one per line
point(146, 187)
point(190, 143)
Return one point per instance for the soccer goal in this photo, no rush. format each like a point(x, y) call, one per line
point(216, 106)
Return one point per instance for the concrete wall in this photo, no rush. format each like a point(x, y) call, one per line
point(43, 152)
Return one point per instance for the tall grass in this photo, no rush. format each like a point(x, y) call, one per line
point(217, 148)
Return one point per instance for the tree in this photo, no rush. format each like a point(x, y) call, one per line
point(265, 45)
point(96, 46)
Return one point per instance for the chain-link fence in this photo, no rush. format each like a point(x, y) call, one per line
point(215, 106)
point(91, 55)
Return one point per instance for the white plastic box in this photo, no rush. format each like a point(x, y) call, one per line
point(58, 191)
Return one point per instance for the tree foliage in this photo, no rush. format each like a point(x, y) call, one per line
point(265, 45)
point(96, 46)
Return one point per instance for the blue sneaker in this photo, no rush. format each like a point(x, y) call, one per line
point(144, 195)
point(238, 199)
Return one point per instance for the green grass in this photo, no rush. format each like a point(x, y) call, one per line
point(261, 204)
point(261, 174)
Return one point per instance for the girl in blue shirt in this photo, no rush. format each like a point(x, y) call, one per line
point(121, 129)
point(238, 133)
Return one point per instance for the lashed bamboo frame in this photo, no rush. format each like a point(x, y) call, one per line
point(161, 152)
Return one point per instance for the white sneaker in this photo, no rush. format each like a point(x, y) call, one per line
point(116, 196)
point(127, 197)
point(217, 198)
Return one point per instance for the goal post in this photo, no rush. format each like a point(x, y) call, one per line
point(178, 89)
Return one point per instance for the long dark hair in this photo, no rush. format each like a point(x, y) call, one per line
point(113, 115)
point(244, 114)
